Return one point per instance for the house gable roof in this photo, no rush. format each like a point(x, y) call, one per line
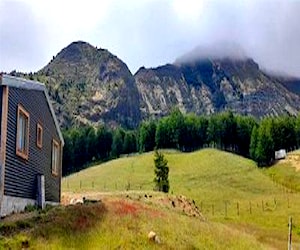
point(17, 82)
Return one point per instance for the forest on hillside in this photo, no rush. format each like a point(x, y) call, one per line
point(243, 135)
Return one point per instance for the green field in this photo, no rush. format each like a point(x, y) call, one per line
point(244, 207)
point(229, 189)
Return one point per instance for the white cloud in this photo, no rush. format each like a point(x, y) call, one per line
point(188, 10)
point(149, 32)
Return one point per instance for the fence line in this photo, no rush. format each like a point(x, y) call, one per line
point(224, 208)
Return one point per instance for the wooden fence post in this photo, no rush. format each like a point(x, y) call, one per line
point(290, 234)
point(238, 208)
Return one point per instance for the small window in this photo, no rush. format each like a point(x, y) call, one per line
point(22, 142)
point(55, 157)
point(39, 135)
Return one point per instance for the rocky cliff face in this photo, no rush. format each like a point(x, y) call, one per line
point(91, 86)
point(290, 83)
point(211, 85)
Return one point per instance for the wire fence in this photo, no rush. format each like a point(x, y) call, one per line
point(105, 186)
point(207, 207)
point(280, 203)
point(235, 208)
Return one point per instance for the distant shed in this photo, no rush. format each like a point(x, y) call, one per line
point(280, 154)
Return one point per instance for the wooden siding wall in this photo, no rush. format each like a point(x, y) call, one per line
point(2, 153)
point(1, 91)
point(20, 174)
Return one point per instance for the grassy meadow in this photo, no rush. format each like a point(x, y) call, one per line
point(228, 189)
point(244, 207)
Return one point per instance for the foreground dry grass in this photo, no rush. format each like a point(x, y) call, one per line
point(119, 222)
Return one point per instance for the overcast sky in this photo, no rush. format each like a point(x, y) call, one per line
point(149, 32)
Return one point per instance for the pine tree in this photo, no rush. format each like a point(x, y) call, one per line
point(161, 171)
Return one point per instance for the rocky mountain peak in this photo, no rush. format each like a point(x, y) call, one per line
point(209, 83)
point(92, 86)
point(75, 51)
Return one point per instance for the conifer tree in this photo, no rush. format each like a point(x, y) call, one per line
point(161, 171)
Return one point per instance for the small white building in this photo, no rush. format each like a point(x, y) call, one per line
point(280, 154)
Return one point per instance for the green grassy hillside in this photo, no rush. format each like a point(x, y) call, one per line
point(208, 175)
point(227, 188)
point(243, 207)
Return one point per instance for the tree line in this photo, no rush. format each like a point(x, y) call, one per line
point(243, 135)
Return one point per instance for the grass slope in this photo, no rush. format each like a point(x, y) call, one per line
point(287, 172)
point(121, 224)
point(228, 188)
point(244, 207)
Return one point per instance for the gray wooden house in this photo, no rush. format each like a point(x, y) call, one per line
point(31, 146)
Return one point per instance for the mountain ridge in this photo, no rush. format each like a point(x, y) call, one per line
point(90, 85)
point(207, 86)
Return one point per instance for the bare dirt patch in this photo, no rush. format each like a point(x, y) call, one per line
point(182, 204)
point(133, 202)
point(294, 160)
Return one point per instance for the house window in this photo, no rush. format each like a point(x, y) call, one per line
point(55, 157)
point(22, 142)
point(39, 135)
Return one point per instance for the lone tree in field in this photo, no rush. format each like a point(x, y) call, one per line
point(161, 173)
